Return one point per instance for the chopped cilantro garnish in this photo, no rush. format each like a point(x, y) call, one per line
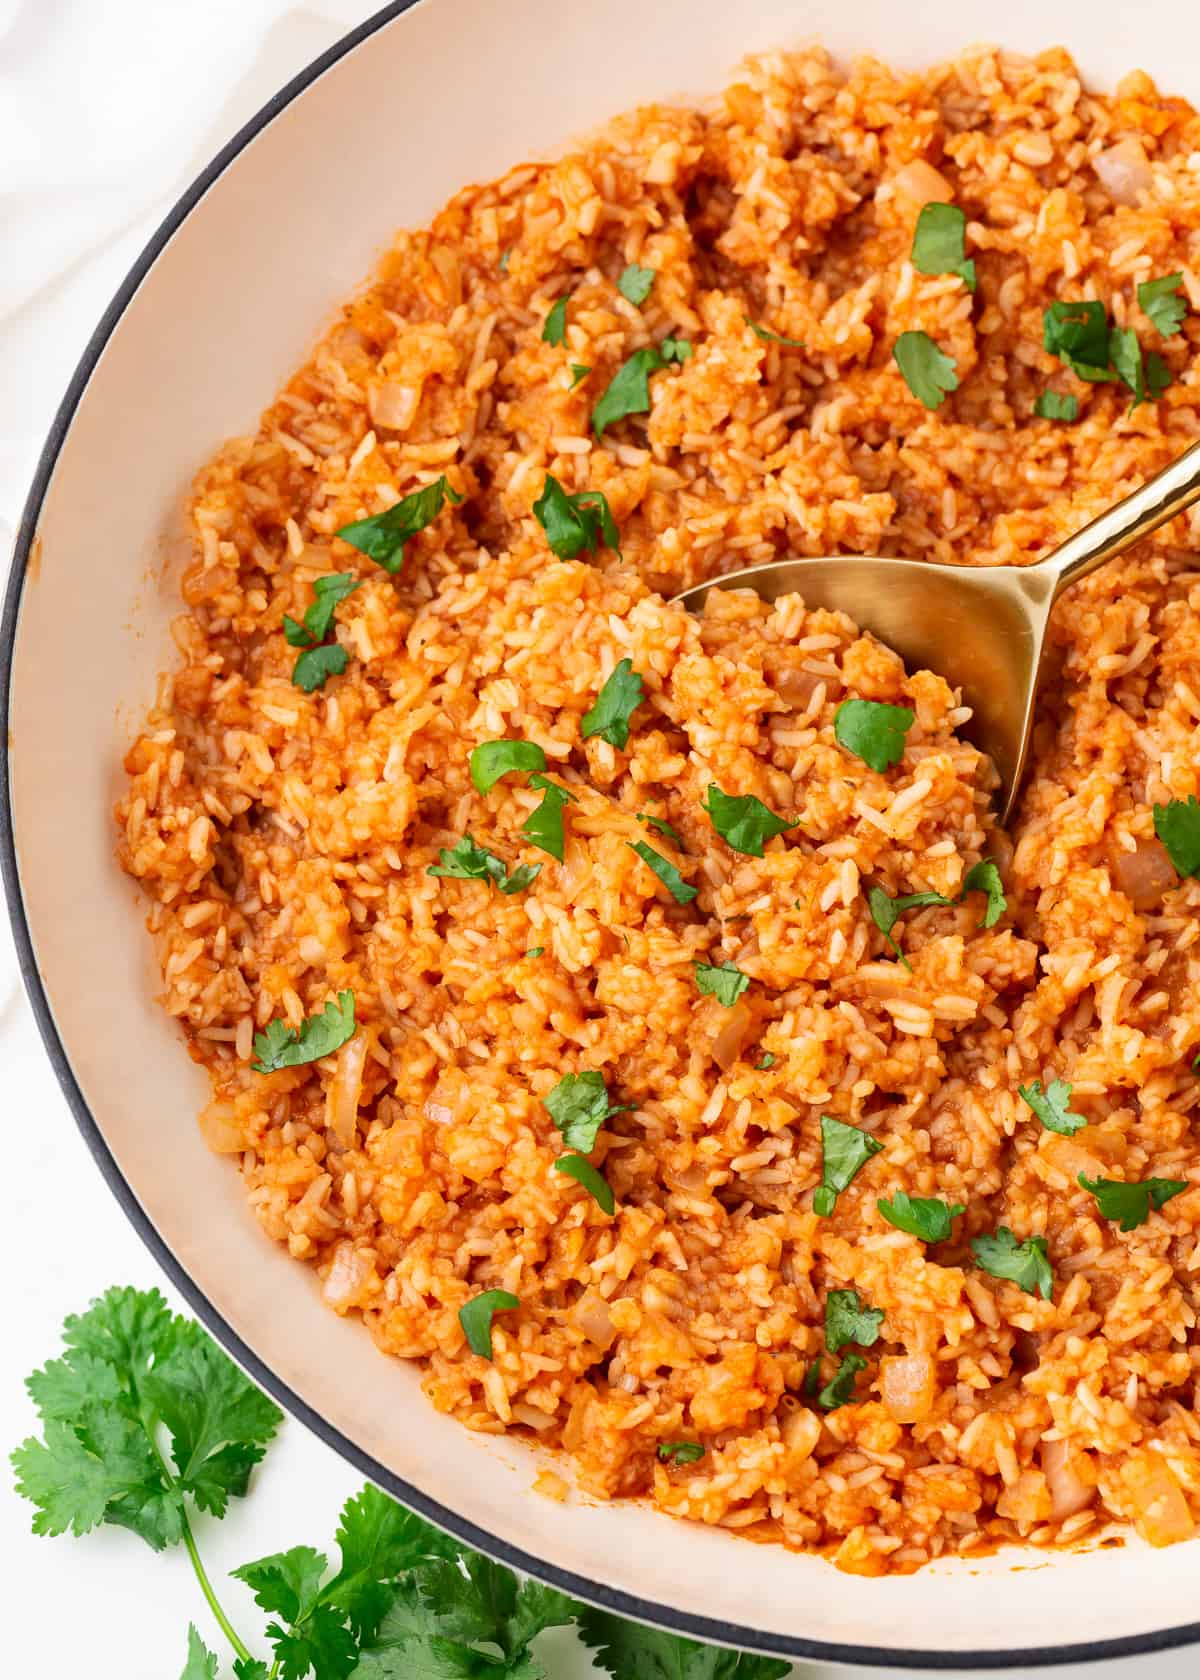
point(839, 1391)
point(1158, 375)
point(844, 1149)
point(725, 983)
point(927, 1217)
point(769, 337)
point(476, 1316)
point(680, 1452)
point(590, 1177)
point(544, 826)
point(1076, 331)
point(1131, 1203)
point(554, 329)
point(616, 703)
point(1057, 405)
point(1161, 302)
point(984, 877)
point(493, 759)
point(1024, 1263)
point(661, 826)
point(873, 731)
point(1051, 1106)
point(504, 256)
point(928, 372)
point(572, 522)
point(628, 392)
point(939, 243)
point(281, 1046)
point(812, 1379)
point(536, 951)
point(743, 821)
point(579, 1106)
point(847, 1320)
point(766, 1061)
point(316, 665)
point(578, 374)
point(1125, 353)
point(466, 861)
point(665, 870)
point(1177, 825)
point(886, 912)
point(635, 283)
point(382, 537)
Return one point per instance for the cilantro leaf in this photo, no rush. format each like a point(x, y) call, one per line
point(1158, 375)
point(635, 283)
point(250, 1669)
point(578, 374)
point(201, 1663)
point(769, 337)
point(630, 1651)
point(767, 1061)
point(476, 1316)
point(886, 912)
point(281, 1046)
point(286, 1584)
point(847, 1320)
point(984, 877)
point(1076, 331)
point(616, 703)
point(628, 391)
point(218, 1422)
point(812, 1379)
point(316, 665)
point(492, 759)
point(377, 1539)
point(675, 349)
point(1051, 1106)
point(426, 1656)
point(554, 329)
point(1056, 405)
point(939, 243)
point(382, 538)
point(572, 522)
point(1131, 1203)
point(1177, 825)
point(1161, 302)
point(330, 590)
point(927, 1217)
point(661, 826)
point(1125, 353)
point(455, 1605)
point(726, 983)
point(680, 1452)
point(102, 1471)
point(873, 731)
point(839, 1391)
point(1024, 1263)
point(543, 827)
point(844, 1149)
point(466, 861)
point(502, 265)
point(743, 821)
point(666, 871)
point(928, 372)
point(579, 1105)
point(589, 1177)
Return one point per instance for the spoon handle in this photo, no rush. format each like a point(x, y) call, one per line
point(1169, 492)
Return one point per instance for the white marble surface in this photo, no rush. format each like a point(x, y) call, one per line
point(107, 108)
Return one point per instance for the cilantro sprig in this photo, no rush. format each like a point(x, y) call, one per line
point(319, 659)
point(631, 1652)
point(1026, 1264)
point(628, 391)
point(1052, 1106)
point(742, 820)
point(579, 1105)
point(281, 1046)
point(928, 372)
point(466, 860)
point(844, 1150)
point(847, 1320)
point(982, 877)
point(618, 699)
point(1161, 303)
point(383, 537)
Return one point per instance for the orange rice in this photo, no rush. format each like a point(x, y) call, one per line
point(284, 838)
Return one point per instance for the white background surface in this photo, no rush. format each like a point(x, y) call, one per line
point(107, 109)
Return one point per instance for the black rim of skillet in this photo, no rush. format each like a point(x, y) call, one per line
point(623, 1604)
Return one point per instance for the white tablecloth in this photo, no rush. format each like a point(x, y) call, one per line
point(107, 109)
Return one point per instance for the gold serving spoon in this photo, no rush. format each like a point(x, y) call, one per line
point(983, 628)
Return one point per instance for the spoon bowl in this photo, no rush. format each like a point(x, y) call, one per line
point(982, 628)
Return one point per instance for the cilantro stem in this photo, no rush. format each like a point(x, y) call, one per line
point(201, 1573)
